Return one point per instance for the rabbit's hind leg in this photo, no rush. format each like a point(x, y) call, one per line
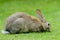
point(17, 26)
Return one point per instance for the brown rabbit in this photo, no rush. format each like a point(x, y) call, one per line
point(22, 22)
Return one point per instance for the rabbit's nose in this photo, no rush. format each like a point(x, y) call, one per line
point(48, 29)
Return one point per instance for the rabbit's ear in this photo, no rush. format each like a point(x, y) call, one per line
point(41, 17)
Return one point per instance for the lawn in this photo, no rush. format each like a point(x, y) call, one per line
point(50, 9)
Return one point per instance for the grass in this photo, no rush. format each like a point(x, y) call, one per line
point(50, 9)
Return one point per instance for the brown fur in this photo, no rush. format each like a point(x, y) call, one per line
point(22, 22)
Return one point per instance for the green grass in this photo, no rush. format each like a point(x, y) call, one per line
point(50, 9)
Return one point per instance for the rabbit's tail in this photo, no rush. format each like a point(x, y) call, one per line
point(5, 32)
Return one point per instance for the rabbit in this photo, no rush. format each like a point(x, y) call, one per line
point(21, 22)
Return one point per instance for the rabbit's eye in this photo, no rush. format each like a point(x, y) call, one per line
point(48, 24)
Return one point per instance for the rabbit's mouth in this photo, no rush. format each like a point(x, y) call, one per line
point(48, 30)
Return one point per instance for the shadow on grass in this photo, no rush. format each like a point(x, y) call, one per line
point(2, 1)
point(29, 33)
